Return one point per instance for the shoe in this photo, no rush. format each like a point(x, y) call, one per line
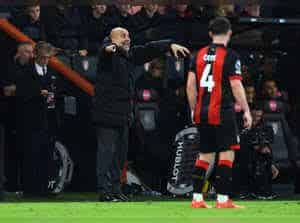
point(121, 197)
point(270, 195)
point(264, 195)
point(200, 204)
point(104, 196)
point(228, 204)
point(37, 195)
point(257, 196)
point(244, 195)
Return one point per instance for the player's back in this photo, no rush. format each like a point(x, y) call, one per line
point(214, 66)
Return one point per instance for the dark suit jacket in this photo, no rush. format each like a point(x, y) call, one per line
point(35, 31)
point(31, 105)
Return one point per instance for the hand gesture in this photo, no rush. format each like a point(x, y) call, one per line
point(247, 120)
point(179, 50)
point(275, 172)
point(192, 117)
point(111, 48)
point(83, 53)
point(44, 93)
point(9, 90)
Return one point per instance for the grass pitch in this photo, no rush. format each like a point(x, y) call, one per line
point(84, 209)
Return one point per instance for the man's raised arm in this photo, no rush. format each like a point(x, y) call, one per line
point(145, 53)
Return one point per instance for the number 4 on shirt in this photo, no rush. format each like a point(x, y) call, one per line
point(207, 78)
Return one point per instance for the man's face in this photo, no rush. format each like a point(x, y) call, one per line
point(253, 10)
point(43, 58)
point(122, 39)
point(156, 70)
point(151, 8)
point(24, 54)
point(124, 8)
point(228, 9)
point(34, 13)
point(250, 94)
point(100, 9)
point(257, 116)
point(270, 89)
point(181, 8)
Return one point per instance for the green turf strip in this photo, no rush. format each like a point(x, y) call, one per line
point(154, 212)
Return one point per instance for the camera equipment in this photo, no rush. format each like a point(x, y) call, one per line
point(260, 136)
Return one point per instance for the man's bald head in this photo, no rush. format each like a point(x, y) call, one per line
point(120, 37)
point(118, 30)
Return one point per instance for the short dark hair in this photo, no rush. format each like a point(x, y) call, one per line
point(219, 26)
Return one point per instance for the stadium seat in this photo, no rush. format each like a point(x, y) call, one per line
point(86, 66)
point(146, 109)
point(285, 145)
point(66, 60)
point(175, 68)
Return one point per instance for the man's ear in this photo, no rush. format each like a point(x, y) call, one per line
point(210, 34)
point(111, 40)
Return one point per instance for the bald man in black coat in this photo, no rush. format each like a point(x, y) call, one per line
point(112, 104)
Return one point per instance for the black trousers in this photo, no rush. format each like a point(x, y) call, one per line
point(112, 147)
point(1, 156)
point(36, 154)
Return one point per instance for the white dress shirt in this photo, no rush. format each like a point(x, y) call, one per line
point(41, 70)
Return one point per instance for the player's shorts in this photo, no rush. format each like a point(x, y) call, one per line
point(222, 137)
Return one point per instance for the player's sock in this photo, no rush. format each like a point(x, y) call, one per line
point(197, 197)
point(224, 179)
point(222, 198)
point(199, 175)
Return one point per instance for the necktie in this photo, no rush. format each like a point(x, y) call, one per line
point(44, 70)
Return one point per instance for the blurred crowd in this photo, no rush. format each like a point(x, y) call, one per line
point(80, 28)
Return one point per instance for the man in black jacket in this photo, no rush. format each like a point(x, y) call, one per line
point(98, 24)
point(146, 23)
point(30, 22)
point(112, 110)
point(64, 27)
point(33, 93)
point(13, 68)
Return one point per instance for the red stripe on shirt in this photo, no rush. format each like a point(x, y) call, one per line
point(214, 110)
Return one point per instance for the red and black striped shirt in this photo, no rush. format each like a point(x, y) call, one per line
point(214, 66)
